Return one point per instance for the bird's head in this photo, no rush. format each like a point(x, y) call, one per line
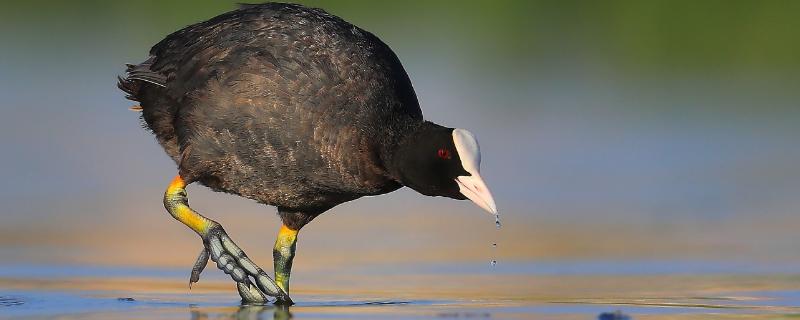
point(440, 161)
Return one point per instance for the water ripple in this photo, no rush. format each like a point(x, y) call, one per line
point(10, 301)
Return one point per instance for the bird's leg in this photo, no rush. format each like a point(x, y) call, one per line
point(220, 248)
point(282, 256)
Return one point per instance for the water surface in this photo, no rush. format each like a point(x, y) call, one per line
point(682, 290)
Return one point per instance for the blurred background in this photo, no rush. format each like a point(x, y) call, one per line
point(613, 133)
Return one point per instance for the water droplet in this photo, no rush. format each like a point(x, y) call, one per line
point(497, 221)
point(494, 263)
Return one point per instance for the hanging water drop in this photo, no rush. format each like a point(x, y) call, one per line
point(494, 244)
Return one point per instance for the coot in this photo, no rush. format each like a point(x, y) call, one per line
point(295, 108)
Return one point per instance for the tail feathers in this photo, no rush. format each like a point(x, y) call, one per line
point(131, 88)
point(135, 75)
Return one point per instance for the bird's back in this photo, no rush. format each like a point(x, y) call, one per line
point(280, 103)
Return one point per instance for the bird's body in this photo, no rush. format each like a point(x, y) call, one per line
point(258, 104)
point(292, 107)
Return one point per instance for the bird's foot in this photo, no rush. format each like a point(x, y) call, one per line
point(253, 283)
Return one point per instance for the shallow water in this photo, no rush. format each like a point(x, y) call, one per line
point(585, 290)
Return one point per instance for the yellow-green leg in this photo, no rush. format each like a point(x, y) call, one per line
point(282, 256)
point(176, 202)
point(221, 249)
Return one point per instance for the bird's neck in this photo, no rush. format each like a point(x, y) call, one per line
point(402, 144)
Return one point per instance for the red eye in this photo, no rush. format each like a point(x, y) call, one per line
point(444, 154)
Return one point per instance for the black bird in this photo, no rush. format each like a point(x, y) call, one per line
point(295, 108)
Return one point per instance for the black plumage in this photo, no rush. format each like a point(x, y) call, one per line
point(283, 104)
point(296, 108)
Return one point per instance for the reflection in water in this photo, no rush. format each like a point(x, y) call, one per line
point(10, 301)
point(617, 315)
point(249, 312)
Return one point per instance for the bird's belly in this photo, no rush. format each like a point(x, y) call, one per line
point(287, 192)
point(280, 166)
